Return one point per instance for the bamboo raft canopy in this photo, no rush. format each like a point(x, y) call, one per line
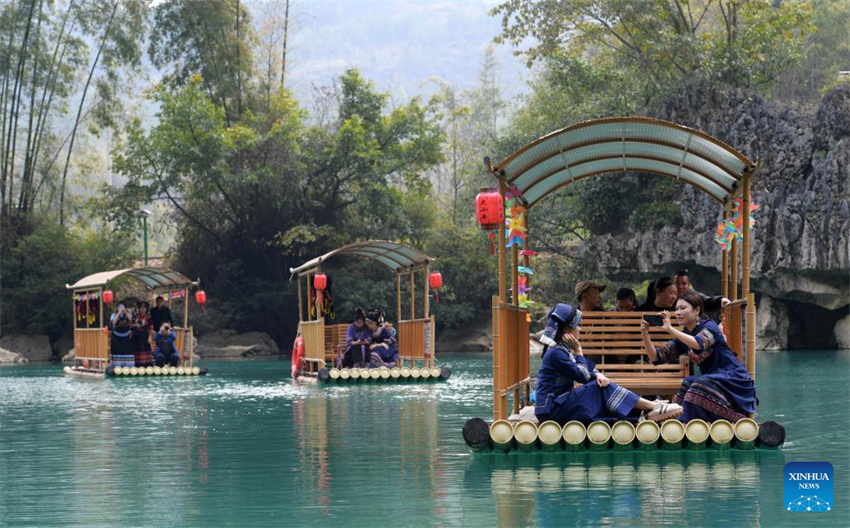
point(615, 146)
point(92, 340)
point(324, 343)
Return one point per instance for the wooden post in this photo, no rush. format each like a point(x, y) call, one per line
point(88, 294)
point(525, 263)
point(186, 308)
point(745, 215)
point(751, 334)
point(309, 294)
point(497, 363)
point(398, 295)
point(318, 304)
point(100, 301)
point(733, 276)
point(514, 275)
point(412, 294)
point(300, 301)
point(724, 267)
point(503, 286)
point(427, 291)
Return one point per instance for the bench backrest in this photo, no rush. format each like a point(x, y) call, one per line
point(613, 335)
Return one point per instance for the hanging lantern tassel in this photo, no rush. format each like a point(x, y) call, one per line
point(492, 243)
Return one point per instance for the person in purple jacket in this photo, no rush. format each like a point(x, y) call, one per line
point(357, 341)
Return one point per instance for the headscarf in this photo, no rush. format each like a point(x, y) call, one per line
point(560, 317)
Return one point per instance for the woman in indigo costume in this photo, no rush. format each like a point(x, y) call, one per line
point(357, 341)
point(598, 398)
point(724, 388)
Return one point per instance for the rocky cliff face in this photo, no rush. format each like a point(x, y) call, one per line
point(801, 253)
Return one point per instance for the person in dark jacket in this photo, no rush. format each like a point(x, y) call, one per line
point(161, 314)
point(166, 347)
point(683, 284)
point(357, 341)
point(557, 398)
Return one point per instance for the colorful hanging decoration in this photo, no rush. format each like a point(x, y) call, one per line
point(86, 306)
point(515, 230)
point(731, 229)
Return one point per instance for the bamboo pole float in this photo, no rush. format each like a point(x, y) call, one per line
point(333, 374)
point(365, 374)
point(395, 373)
point(647, 433)
point(344, 374)
point(771, 434)
point(623, 434)
point(375, 374)
point(445, 373)
point(733, 274)
point(721, 432)
point(697, 433)
point(525, 433)
point(574, 434)
point(412, 295)
point(355, 374)
point(550, 435)
point(598, 435)
point(435, 373)
point(385, 373)
point(476, 435)
point(405, 373)
point(425, 373)
point(672, 434)
point(415, 374)
point(502, 435)
point(746, 432)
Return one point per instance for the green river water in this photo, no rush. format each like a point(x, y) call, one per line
point(245, 446)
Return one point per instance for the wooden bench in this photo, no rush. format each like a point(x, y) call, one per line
point(616, 338)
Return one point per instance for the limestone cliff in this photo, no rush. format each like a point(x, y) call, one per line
point(801, 257)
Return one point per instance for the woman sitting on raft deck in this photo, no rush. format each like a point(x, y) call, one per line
point(725, 388)
point(384, 345)
point(357, 341)
point(598, 398)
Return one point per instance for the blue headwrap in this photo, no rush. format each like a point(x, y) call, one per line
point(562, 315)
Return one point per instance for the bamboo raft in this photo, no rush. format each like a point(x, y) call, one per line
point(671, 435)
point(384, 375)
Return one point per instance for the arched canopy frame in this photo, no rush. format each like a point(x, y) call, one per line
point(152, 277)
point(625, 144)
point(397, 257)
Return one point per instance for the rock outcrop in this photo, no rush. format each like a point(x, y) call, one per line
point(227, 344)
point(10, 358)
point(32, 348)
point(801, 254)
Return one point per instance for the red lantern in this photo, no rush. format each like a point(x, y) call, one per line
point(489, 210)
point(320, 282)
point(201, 298)
point(436, 282)
point(108, 297)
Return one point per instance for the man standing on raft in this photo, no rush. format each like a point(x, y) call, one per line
point(598, 398)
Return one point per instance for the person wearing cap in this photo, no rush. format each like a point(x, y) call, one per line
point(161, 314)
point(589, 295)
point(357, 341)
point(563, 365)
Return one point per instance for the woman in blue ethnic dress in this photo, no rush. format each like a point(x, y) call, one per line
point(724, 388)
point(384, 345)
point(564, 365)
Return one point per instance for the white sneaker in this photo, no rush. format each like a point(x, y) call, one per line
point(664, 411)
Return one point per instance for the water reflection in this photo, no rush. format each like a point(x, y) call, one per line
point(625, 488)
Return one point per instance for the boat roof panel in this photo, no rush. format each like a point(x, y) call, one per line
point(393, 255)
point(152, 277)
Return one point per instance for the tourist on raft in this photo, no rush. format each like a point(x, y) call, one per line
point(122, 347)
point(683, 284)
point(166, 347)
point(357, 341)
point(724, 389)
point(661, 295)
point(161, 314)
point(142, 332)
point(626, 300)
point(384, 345)
point(598, 398)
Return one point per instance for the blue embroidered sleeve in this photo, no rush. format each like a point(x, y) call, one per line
point(669, 352)
point(572, 367)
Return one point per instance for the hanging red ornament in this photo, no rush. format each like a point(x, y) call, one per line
point(108, 297)
point(320, 282)
point(436, 282)
point(201, 299)
point(489, 209)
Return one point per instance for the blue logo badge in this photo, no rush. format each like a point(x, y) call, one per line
point(808, 487)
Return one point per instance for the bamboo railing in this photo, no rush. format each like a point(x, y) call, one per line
point(510, 356)
point(313, 333)
point(416, 341)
